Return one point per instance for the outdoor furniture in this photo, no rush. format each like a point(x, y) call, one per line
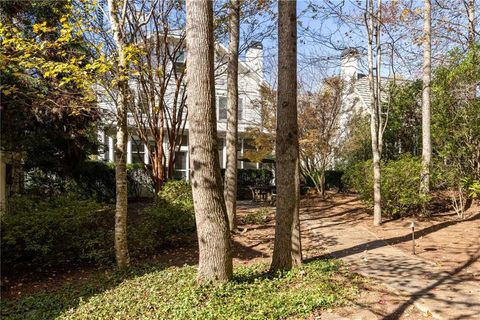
point(262, 192)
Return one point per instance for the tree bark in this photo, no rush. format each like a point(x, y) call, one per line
point(121, 245)
point(215, 260)
point(287, 251)
point(471, 23)
point(232, 113)
point(375, 115)
point(426, 140)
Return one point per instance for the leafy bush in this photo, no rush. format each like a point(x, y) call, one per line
point(400, 184)
point(65, 229)
point(68, 228)
point(170, 222)
point(252, 177)
point(96, 179)
point(333, 179)
point(258, 216)
point(455, 117)
point(248, 178)
point(161, 226)
point(91, 179)
point(173, 293)
point(177, 193)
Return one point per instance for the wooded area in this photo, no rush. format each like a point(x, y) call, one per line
point(232, 159)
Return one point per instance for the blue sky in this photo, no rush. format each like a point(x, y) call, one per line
point(321, 39)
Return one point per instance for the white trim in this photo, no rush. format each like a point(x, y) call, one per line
point(224, 154)
point(111, 155)
point(146, 158)
point(187, 165)
point(101, 138)
point(241, 151)
point(129, 151)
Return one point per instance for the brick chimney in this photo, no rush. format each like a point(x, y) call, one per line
point(349, 64)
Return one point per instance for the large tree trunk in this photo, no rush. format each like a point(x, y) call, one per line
point(121, 245)
point(375, 114)
point(426, 141)
point(287, 251)
point(230, 190)
point(215, 260)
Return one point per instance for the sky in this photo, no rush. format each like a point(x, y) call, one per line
point(321, 39)
point(323, 32)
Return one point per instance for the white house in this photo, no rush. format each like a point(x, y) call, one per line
point(251, 78)
point(356, 98)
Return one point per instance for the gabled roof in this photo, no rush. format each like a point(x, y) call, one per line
point(361, 88)
point(220, 48)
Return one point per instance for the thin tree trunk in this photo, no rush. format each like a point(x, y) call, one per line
point(471, 23)
point(215, 260)
point(287, 251)
point(121, 245)
point(158, 169)
point(322, 183)
point(232, 116)
point(375, 129)
point(426, 141)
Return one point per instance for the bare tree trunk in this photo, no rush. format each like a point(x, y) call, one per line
point(215, 260)
point(322, 183)
point(375, 115)
point(471, 23)
point(287, 251)
point(232, 116)
point(121, 245)
point(426, 141)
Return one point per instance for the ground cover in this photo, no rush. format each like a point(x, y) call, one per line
point(172, 293)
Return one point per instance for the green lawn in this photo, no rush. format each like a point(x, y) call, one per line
point(172, 293)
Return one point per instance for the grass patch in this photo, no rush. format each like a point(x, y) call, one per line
point(149, 293)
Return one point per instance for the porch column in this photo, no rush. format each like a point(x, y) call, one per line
point(129, 151)
point(146, 158)
point(241, 151)
point(187, 165)
point(101, 139)
point(224, 151)
point(111, 150)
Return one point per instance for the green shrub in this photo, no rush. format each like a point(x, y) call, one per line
point(68, 228)
point(252, 177)
point(400, 184)
point(65, 229)
point(333, 179)
point(258, 216)
point(96, 179)
point(161, 226)
point(91, 179)
point(177, 193)
point(359, 178)
point(169, 222)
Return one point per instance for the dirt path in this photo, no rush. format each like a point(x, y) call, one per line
point(443, 280)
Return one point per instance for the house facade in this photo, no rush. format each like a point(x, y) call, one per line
point(250, 81)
